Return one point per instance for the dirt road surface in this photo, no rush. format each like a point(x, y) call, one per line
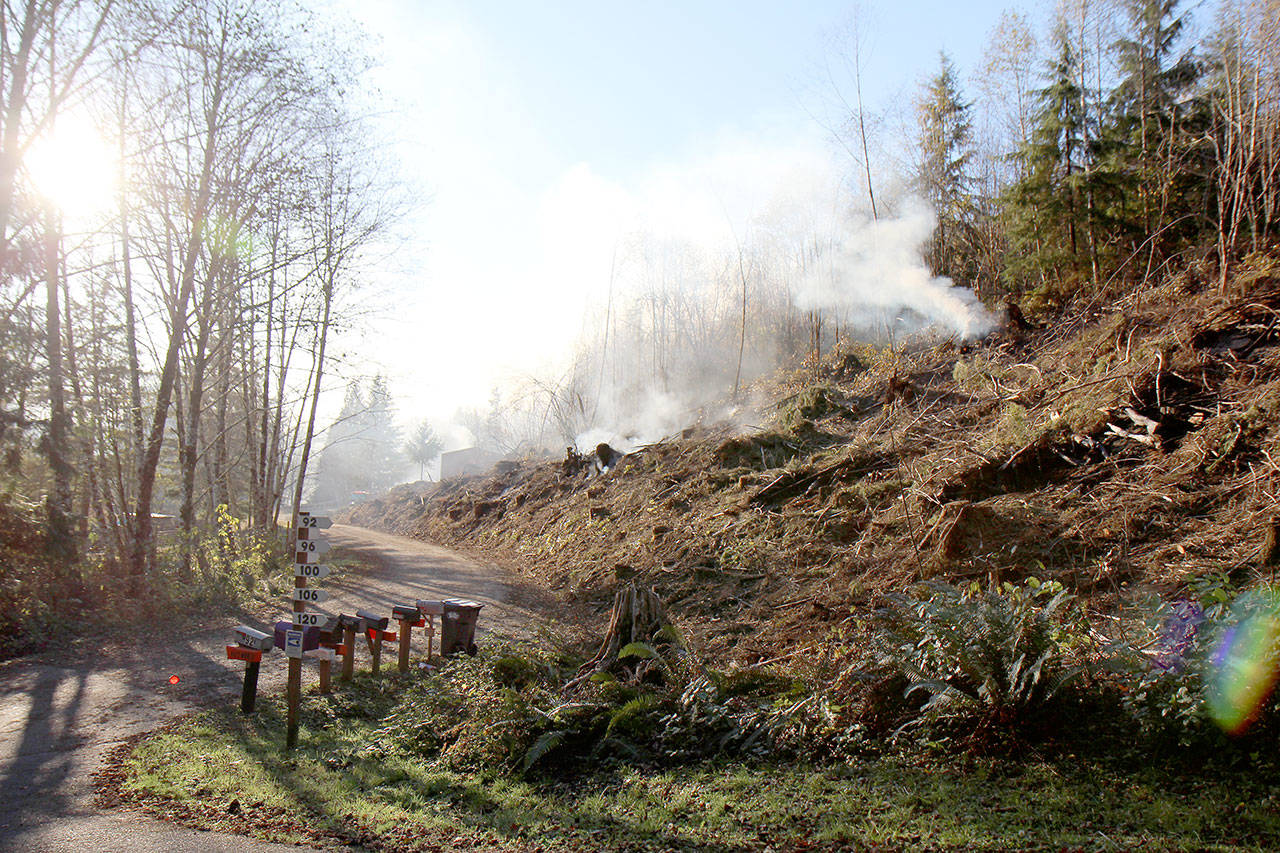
point(63, 710)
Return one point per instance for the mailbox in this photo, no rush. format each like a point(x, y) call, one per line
point(355, 623)
point(372, 620)
point(430, 608)
point(252, 639)
point(310, 636)
point(405, 613)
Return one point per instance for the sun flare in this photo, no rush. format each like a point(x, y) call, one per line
point(74, 168)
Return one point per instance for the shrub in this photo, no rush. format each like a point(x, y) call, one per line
point(1208, 658)
point(994, 655)
point(667, 709)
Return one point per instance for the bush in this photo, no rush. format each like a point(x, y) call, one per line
point(507, 708)
point(994, 656)
point(1201, 664)
point(29, 598)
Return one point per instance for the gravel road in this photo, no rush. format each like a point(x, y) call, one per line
point(63, 710)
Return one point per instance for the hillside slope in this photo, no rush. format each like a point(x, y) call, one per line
point(1114, 448)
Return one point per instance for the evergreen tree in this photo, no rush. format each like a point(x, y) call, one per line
point(362, 447)
point(943, 176)
point(381, 438)
point(423, 446)
point(1044, 208)
point(1149, 144)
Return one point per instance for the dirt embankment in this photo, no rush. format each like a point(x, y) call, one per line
point(1109, 448)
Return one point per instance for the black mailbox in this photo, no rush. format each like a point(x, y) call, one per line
point(406, 612)
point(372, 620)
point(354, 623)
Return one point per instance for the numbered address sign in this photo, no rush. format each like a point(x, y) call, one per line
point(313, 546)
point(309, 620)
point(310, 595)
point(314, 571)
point(307, 521)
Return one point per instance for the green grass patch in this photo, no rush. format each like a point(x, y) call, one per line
point(374, 769)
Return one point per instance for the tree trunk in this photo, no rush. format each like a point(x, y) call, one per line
point(315, 401)
point(58, 503)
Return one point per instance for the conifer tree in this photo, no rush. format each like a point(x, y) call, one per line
point(943, 172)
point(1044, 208)
point(1148, 143)
point(423, 446)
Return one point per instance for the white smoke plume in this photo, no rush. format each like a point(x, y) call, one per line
point(872, 272)
point(660, 268)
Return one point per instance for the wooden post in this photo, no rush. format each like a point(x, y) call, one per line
point(325, 664)
point(374, 636)
point(431, 634)
point(349, 659)
point(404, 644)
point(295, 698)
point(294, 690)
point(249, 695)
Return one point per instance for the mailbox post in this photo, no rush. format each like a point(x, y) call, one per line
point(249, 647)
point(350, 626)
point(409, 618)
point(430, 610)
point(375, 632)
point(309, 546)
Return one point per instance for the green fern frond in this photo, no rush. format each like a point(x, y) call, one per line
point(545, 743)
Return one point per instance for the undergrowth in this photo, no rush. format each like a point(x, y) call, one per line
point(510, 709)
point(490, 753)
point(40, 597)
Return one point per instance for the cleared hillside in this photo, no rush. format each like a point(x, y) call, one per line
point(1114, 446)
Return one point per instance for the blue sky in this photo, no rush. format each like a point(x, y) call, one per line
point(535, 133)
point(618, 83)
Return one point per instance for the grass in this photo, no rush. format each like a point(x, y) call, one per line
point(348, 782)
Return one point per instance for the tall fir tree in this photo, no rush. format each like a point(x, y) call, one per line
point(1148, 147)
point(943, 173)
point(1045, 209)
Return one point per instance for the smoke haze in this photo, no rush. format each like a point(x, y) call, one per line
point(660, 336)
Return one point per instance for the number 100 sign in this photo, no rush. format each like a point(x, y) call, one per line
point(313, 571)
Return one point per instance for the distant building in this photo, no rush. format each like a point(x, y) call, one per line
point(469, 460)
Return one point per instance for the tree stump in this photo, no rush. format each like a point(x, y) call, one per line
point(638, 616)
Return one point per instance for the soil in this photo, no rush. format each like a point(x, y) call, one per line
point(62, 712)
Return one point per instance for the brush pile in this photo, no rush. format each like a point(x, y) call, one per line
point(1111, 448)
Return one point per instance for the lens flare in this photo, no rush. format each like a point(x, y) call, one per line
point(173, 679)
point(1244, 663)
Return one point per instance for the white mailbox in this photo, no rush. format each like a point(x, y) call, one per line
point(252, 639)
